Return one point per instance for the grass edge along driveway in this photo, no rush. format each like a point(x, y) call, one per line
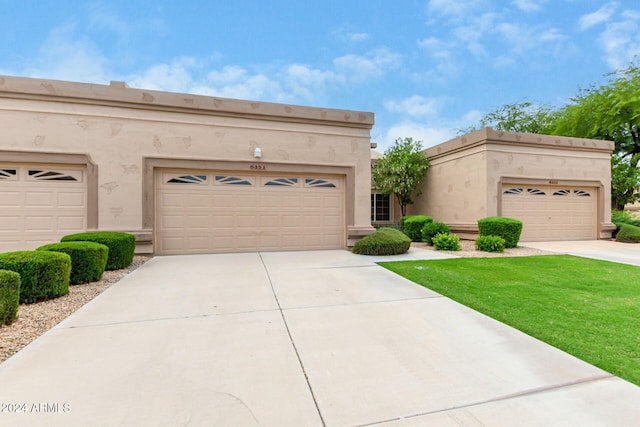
point(587, 308)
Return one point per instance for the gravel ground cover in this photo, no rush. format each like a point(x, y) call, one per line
point(469, 251)
point(35, 319)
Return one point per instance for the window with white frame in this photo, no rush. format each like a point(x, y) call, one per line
point(380, 207)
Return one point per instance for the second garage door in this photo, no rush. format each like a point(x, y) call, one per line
point(214, 212)
point(39, 203)
point(551, 212)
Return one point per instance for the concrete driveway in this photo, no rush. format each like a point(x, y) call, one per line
point(625, 253)
point(296, 339)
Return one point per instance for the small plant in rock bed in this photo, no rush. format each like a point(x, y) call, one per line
point(431, 229)
point(446, 242)
point(490, 244)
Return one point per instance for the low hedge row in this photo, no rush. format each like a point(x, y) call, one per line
point(384, 241)
point(412, 226)
point(9, 296)
point(88, 259)
point(42, 274)
point(122, 246)
point(507, 228)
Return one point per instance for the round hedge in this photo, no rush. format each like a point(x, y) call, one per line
point(9, 296)
point(122, 246)
point(384, 241)
point(88, 259)
point(42, 274)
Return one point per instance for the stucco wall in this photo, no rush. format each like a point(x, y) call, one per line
point(455, 188)
point(466, 174)
point(118, 128)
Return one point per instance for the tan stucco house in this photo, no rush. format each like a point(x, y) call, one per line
point(185, 173)
point(558, 186)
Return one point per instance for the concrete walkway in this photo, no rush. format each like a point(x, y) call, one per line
point(625, 253)
point(296, 339)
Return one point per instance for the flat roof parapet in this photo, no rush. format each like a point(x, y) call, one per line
point(488, 135)
point(118, 94)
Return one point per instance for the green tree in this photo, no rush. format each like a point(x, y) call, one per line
point(610, 111)
point(401, 170)
point(625, 180)
point(519, 117)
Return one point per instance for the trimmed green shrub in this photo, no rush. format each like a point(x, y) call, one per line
point(507, 228)
point(628, 234)
point(122, 246)
point(431, 229)
point(490, 244)
point(384, 241)
point(9, 296)
point(412, 226)
point(42, 274)
point(88, 259)
point(446, 242)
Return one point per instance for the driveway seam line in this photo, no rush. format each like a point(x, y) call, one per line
point(293, 344)
point(534, 391)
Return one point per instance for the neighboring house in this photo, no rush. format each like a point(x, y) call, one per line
point(184, 173)
point(558, 186)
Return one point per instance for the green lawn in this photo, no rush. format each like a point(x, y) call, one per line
point(588, 308)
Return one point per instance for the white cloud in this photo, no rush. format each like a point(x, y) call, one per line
point(601, 15)
point(529, 5)
point(454, 8)
point(66, 57)
point(358, 37)
point(621, 40)
point(347, 36)
point(429, 136)
point(415, 106)
point(371, 65)
point(525, 40)
point(173, 77)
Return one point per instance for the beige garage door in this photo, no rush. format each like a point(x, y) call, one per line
point(211, 212)
point(39, 204)
point(551, 212)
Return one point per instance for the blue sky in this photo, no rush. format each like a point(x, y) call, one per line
point(425, 68)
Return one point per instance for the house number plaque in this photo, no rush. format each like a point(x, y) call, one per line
point(258, 167)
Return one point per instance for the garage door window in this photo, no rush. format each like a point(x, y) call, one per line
point(318, 183)
point(281, 182)
point(9, 174)
point(187, 179)
point(51, 175)
point(232, 180)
